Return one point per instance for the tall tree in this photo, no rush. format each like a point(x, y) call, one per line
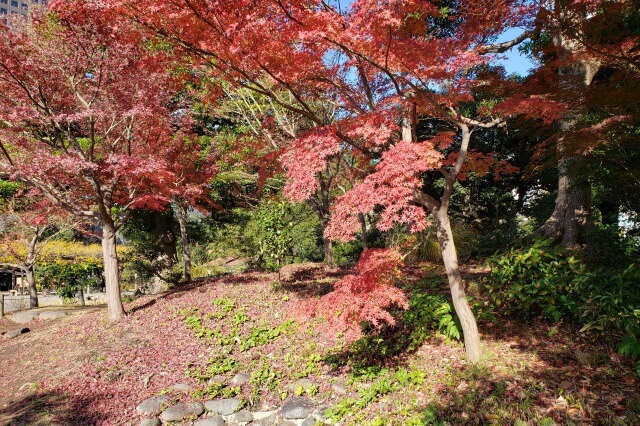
point(84, 101)
point(395, 62)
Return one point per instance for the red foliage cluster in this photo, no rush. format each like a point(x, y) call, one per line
point(359, 298)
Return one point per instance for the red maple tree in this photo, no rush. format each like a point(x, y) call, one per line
point(84, 112)
point(383, 65)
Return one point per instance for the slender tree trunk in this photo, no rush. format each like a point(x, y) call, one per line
point(328, 249)
point(31, 279)
point(458, 295)
point(111, 272)
point(363, 231)
point(80, 295)
point(186, 250)
point(33, 291)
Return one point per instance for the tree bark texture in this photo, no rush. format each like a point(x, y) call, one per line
point(33, 291)
point(571, 217)
point(458, 295)
point(111, 272)
point(183, 215)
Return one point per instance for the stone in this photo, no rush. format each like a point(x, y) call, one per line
point(181, 411)
point(287, 423)
point(210, 421)
point(24, 317)
point(242, 416)
point(297, 408)
point(182, 387)
point(218, 378)
point(152, 405)
point(151, 422)
point(51, 315)
point(224, 406)
point(15, 333)
point(320, 413)
point(309, 422)
point(303, 384)
point(267, 420)
point(239, 379)
point(339, 388)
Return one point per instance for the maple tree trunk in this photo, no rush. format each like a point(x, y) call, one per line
point(328, 250)
point(363, 231)
point(111, 272)
point(31, 279)
point(33, 291)
point(186, 250)
point(460, 303)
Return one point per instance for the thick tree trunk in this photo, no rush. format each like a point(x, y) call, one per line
point(328, 249)
point(33, 291)
point(460, 303)
point(571, 217)
point(186, 250)
point(111, 272)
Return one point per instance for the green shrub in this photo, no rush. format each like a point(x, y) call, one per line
point(612, 305)
point(541, 281)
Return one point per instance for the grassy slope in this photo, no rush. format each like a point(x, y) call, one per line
point(84, 370)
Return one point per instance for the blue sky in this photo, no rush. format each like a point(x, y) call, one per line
point(515, 62)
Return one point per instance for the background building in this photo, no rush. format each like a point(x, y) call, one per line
point(21, 7)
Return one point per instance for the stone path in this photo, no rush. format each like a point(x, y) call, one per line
point(296, 411)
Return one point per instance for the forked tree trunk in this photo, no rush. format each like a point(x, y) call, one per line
point(458, 295)
point(182, 213)
point(111, 272)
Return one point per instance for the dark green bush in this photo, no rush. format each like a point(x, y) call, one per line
point(540, 281)
point(612, 303)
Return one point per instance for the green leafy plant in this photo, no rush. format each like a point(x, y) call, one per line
point(540, 281)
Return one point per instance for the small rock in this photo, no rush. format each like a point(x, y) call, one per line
point(270, 420)
point(152, 405)
point(181, 411)
point(225, 406)
point(301, 383)
point(297, 408)
point(287, 423)
point(51, 315)
point(339, 388)
point(242, 416)
point(320, 413)
point(239, 379)
point(210, 421)
point(15, 333)
point(182, 387)
point(309, 422)
point(151, 422)
point(218, 378)
point(24, 317)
